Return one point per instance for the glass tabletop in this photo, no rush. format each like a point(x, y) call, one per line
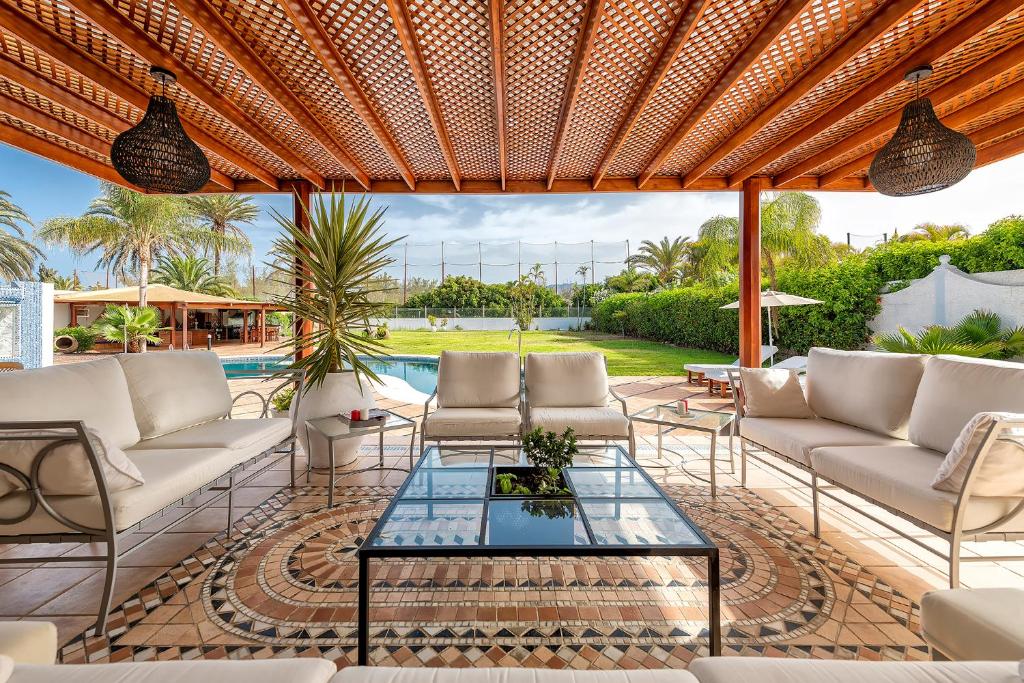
point(670, 414)
point(450, 501)
point(335, 427)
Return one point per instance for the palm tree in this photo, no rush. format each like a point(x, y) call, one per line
point(221, 214)
point(131, 230)
point(789, 232)
point(130, 325)
point(191, 273)
point(978, 335)
point(930, 232)
point(665, 260)
point(17, 255)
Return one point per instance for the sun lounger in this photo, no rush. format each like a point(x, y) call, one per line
point(695, 372)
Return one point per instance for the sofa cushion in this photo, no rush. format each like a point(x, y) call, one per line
point(586, 422)
point(263, 432)
point(796, 438)
point(768, 392)
point(170, 476)
point(955, 389)
point(470, 379)
point(900, 477)
point(305, 670)
point(564, 380)
point(172, 390)
point(866, 389)
point(67, 470)
point(482, 422)
point(982, 623)
point(767, 670)
point(29, 642)
point(385, 674)
point(1001, 472)
point(95, 392)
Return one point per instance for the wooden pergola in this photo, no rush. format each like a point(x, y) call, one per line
point(516, 96)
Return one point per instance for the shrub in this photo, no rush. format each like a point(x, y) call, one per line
point(85, 336)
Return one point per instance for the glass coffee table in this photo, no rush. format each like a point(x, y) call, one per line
point(448, 508)
point(669, 418)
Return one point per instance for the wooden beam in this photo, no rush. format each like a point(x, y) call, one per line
point(750, 273)
point(851, 44)
point(402, 20)
point(146, 48)
point(1010, 124)
point(999, 151)
point(681, 32)
point(300, 215)
point(217, 29)
point(592, 15)
point(497, 17)
point(16, 137)
point(305, 20)
point(931, 51)
point(783, 15)
point(987, 70)
point(105, 78)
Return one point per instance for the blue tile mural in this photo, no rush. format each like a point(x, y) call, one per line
point(26, 323)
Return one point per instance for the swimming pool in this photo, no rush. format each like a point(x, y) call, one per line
point(419, 373)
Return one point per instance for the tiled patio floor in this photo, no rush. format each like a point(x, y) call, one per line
point(66, 593)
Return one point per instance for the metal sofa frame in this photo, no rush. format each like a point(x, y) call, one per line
point(954, 537)
point(224, 485)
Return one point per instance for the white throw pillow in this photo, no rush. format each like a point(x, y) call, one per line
point(1002, 470)
point(67, 471)
point(773, 393)
point(6, 668)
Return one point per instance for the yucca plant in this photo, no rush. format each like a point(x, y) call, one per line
point(129, 325)
point(341, 259)
point(978, 335)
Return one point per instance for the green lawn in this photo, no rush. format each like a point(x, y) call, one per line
point(625, 356)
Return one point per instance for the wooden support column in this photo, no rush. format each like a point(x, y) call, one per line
point(73, 319)
point(263, 326)
point(174, 324)
point(245, 326)
point(750, 272)
point(300, 215)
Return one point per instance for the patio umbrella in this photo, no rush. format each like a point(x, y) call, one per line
point(772, 299)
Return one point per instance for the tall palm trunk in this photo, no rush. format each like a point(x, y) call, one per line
point(221, 230)
point(143, 287)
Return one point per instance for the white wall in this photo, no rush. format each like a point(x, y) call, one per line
point(947, 294)
point(503, 324)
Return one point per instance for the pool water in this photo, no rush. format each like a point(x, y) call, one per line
point(419, 373)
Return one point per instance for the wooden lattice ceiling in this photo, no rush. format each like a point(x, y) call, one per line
point(512, 95)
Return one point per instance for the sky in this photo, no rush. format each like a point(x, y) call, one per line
point(45, 189)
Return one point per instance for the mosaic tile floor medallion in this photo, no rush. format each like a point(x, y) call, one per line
point(285, 585)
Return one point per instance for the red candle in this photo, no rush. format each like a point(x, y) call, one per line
point(356, 415)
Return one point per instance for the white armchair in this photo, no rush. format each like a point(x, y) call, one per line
point(572, 390)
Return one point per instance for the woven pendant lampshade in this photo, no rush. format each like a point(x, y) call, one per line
point(156, 154)
point(923, 155)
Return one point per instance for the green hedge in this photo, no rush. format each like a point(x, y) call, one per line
point(85, 335)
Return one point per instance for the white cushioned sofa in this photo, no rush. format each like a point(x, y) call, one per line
point(882, 427)
point(89, 452)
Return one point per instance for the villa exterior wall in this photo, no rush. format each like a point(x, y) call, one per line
point(26, 323)
point(947, 294)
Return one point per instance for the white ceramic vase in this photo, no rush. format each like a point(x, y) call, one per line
point(339, 394)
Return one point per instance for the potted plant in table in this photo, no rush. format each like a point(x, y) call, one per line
point(341, 257)
point(550, 454)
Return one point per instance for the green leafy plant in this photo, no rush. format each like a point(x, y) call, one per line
point(85, 336)
point(282, 400)
point(432, 321)
point(382, 331)
point(131, 325)
point(341, 257)
point(508, 484)
point(549, 450)
point(978, 335)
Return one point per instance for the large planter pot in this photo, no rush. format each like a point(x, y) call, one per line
point(339, 394)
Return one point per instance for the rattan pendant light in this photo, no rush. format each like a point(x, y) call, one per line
point(923, 155)
point(156, 154)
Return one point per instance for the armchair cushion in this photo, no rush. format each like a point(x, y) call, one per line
point(385, 674)
point(1001, 472)
point(983, 623)
point(469, 379)
point(473, 422)
point(67, 470)
point(585, 421)
point(900, 477)
point(795, 438)
point(28, 642)
point(773, 393)
point(566, 380)
point(172, 390)
point(298, 670)
point(866, 389)
point(768, 670)
point(95, 392)
point(263, 432)
point(954, 389)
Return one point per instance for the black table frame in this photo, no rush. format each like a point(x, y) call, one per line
point(368, 551)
